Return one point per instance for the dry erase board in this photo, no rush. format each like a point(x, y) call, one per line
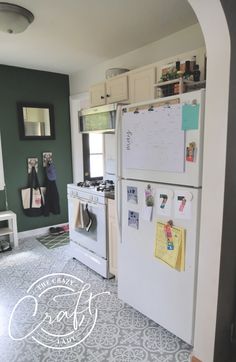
point(153, 140)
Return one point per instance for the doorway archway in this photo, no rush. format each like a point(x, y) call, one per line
point(212, 20)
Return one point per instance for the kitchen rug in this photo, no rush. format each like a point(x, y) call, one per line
point(54, 241)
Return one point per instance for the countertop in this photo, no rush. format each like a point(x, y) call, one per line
point(110, 195)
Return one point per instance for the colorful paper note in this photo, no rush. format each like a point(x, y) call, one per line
point(183, 204)
point(147, 210)
point(190, 116)
point(164, 198)
point(170, 249)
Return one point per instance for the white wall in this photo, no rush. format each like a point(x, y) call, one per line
point(76, 103)
point(183, 41)
point(214, 25)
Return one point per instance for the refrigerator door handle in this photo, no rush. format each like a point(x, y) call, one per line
point(118, 170)
point(118, 199)
point(118, 139)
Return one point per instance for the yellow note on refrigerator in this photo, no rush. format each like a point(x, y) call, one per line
point(174, 256)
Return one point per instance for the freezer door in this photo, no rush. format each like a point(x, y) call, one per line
point(151, 286)
point(154, 146)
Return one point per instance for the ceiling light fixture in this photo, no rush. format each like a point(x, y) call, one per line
point(14, 18)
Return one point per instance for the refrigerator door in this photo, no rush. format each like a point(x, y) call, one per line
point(151, 286)
point(154, 146)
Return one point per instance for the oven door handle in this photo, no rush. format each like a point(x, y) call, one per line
point(87, 202)
point(91, 203)
point(95, 204)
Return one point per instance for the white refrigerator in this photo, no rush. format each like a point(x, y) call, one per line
point(160, 152)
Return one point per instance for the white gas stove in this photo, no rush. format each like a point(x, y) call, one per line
point(87, 205)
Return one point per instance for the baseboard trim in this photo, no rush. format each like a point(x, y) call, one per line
point(37, 232)
point(195, 359)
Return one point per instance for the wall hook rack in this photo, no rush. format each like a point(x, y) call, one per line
point(32, 162)
point(47, 158)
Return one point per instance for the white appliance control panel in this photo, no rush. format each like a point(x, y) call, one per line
point(89, 194)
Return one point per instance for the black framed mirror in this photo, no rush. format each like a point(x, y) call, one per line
point(36, 121)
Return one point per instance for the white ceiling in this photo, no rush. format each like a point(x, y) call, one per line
point(69, 35)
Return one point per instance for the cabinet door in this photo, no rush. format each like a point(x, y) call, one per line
point(141, 85)
point(112, 232)
point(98, 94)
point(117, 89)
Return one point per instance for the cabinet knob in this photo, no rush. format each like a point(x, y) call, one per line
point(102, 97)
point(108, 95)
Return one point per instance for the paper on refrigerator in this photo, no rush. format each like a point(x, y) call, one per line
point(164, 198)
point(183, 204)
point(176, 256)
point(154, 140)
point(147, 209)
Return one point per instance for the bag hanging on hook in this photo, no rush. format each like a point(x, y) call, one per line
point(33, 196)
point(52, 203)
point(51, 172)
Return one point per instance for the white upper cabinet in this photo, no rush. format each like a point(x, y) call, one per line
point(98, 94)
point(111, 91)
point(141, 84)
point(117, 89)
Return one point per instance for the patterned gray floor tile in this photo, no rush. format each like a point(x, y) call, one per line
point(121, 334)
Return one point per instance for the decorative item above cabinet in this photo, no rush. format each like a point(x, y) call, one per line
point(113, 72)
point(179, 77)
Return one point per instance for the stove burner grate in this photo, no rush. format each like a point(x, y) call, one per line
point(100, 185)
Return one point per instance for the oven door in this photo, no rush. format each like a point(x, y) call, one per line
point(95, 239)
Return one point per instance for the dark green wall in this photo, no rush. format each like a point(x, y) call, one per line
point(19, 84)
